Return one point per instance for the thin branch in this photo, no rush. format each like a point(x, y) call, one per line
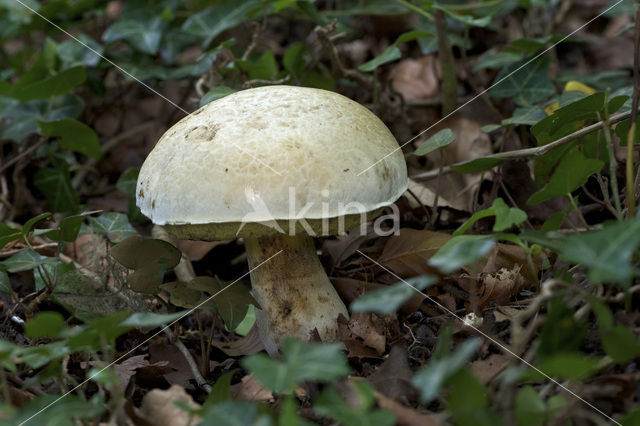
point(23, 154)
point(192, 362)
point(531, 152)
point(631, 198)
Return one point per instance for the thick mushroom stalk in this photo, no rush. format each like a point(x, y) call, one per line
point(293, 290)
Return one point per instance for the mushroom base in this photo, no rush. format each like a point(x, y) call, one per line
point(293, 290)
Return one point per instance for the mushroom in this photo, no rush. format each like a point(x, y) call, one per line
point(275, 165)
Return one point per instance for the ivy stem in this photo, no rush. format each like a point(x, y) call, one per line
point(630, 187)
point(447, 65)
point(613, 178)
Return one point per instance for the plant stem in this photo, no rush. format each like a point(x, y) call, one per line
point(631, 196)
point(447, 65)
point(613, 178)
point(531, 152)
point(415, 8)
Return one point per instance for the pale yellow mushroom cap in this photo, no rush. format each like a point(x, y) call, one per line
point(293, 150)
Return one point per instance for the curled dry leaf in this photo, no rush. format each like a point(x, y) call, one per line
point(159, 408)
point(425, 196)
point(499, 287)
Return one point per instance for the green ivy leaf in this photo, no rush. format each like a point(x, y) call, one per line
point(560, 331)
point(528, 115)
point(301, 361)
point(127, 184)
point(8, 234)
point(476, 166)
point(73, 53)
point(468, 401)
point(496, 60)
point(23, 117)
point(567, 365)
point(606, 253)
point(332, 405)
point(524, 84)
point(59, 84)
point(55, 185)
point(429, 380)
point(460, 251)
point(216, 93)
point(26, 260)
point(232, 303)
point(112, 225)
point(264, 68)
point(530, 409)
point(565, 120)
point(392, 52)
point(386, 301)
point(440, 140)
point(145, 36)
point(45, 324)
point(620, 344)
point(149, 258)
point(212, 21)
point(506, 217)
point(73, 135)
point(572, 172)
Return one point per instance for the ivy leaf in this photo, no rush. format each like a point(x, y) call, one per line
point(620, 344)
point(387, 300)
point(113, 226)
point(528, 115)
point(530, 409)
point(26, 260)
point(430, 379)
point(149, 258)
point(567, 365)
point(301, 361)
point(215, 94)
point(606, 253)
point(56, 85)
point(212, 21)
point(564, 121)
point(332, 405)
point(440, 140)
point(560, 331)
point(73, 53)
point(460, 251)
point(23, 117)
point(496, 60)
point(55, 184)
point(392, 52)
point(572, 172)
point(45, 324)
point(478, 165)
point(232, 303)
point(73, 135)
point(69, 227)
point(524, 84)
point(8, 234)
point(127, 184)
point(506, 217)
point(144, 36)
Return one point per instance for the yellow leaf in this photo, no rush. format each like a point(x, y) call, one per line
point(579, 87)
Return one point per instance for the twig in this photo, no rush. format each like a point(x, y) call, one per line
point(23, 154)
point(447, 65)
point(531, 152)
point(631, 198)
point(108, 146)
point(324, 35)
point(248, 84)
point(192, 363)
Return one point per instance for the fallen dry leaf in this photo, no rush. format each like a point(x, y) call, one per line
point(127, 369)
point(249, 389)
point(420, 195)
point(246, 345)
point(159, 408)
point(499, 287)
point(350, 289)
point(196, 250)
point(393, 378)
point(406, 416)
point(486, 369)
point(417, 79)
point(407, 254)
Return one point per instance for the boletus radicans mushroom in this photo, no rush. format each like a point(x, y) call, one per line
point(276, 166)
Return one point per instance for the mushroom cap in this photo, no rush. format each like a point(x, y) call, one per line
point(271, 153)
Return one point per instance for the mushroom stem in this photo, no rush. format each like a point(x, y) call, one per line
point(293, 290)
